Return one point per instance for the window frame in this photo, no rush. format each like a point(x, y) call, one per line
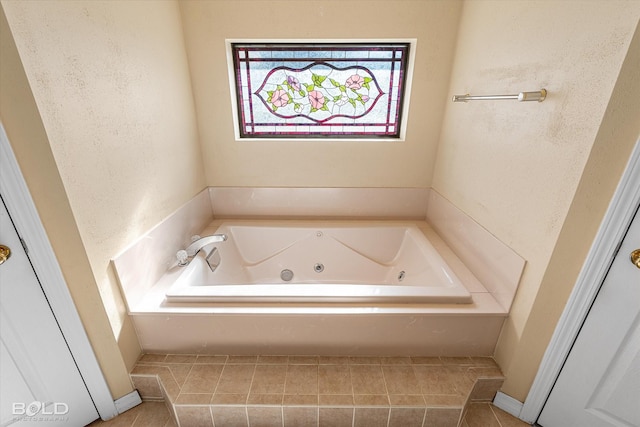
point(405, 102)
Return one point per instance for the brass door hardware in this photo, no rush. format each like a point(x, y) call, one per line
point(635, 257)
point(5, 253)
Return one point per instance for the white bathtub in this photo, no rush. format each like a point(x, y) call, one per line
point(309, 263)
point(356, 306)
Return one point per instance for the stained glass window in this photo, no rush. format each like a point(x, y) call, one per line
point(336, 90)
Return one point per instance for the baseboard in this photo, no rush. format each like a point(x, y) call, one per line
point(508, 404)
point(127, 401)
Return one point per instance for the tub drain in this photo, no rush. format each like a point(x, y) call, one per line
point(286, 275)
point(318, 268)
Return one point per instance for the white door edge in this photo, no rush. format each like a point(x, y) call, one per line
point(15, 192)
point(611, 232)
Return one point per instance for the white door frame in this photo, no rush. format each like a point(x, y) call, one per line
point(23, 212)
point(612, 230)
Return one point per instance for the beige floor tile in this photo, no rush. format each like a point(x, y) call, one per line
point(406, 417)
point(242, 359)
point(370, 417)
point(426, 361)
point(335, 400)
point(333, 360)
point(193, 399)
point(335, 417)
point(480, 415)
point(180, 371)
point(229, 399)
point(507, 420)
point(435, 379)
point(401, 380)
point(152, 358)
point(300, 400)
point(230, 416)
point(204, 358)
point(235, 379)
point(364, 360)
point(300, 417)
point(371, 399)
point(367, 379)
point(265, 416)
point(302, 379)
point(194, 416)
point(321, 390)
point(148, 386)
point(265, 399)
point(273, 360)
point(202, 379)
point(443, 417)
point(269, 379)
point(459, 361)
point(396, 360)
point(334, 379)
point(304, 360)
point(180, 358)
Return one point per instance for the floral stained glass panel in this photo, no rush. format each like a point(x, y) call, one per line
point(320, 90)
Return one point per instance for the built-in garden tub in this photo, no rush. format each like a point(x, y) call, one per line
point(312, 262)
point(318, 287)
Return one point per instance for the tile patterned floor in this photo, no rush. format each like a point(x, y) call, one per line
point(156, 414)
point(317, 391)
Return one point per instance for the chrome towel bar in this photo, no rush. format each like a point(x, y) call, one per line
point(522, 96)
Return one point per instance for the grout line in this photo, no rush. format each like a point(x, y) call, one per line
point(255, 367)
point(282, 414)
point(494, 414)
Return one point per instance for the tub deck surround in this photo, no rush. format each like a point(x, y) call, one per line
point(323, 328)
point(426, 329)
point(282, 391)
point(355, 203)
point(496, 265)
point(139, 266)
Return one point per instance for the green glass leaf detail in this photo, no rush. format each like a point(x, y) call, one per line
point(317, 79)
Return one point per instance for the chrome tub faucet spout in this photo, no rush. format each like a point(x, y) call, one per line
point(213, 257)
point(200, 243)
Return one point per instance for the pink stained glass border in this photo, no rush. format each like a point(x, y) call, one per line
point(341, 76)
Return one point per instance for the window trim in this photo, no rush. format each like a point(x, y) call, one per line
point(408, 77)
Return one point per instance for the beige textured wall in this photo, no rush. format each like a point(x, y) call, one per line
point(319, 163)
point(618, 133)
point(22, 122)
point(515, 167)
point(111, 83)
